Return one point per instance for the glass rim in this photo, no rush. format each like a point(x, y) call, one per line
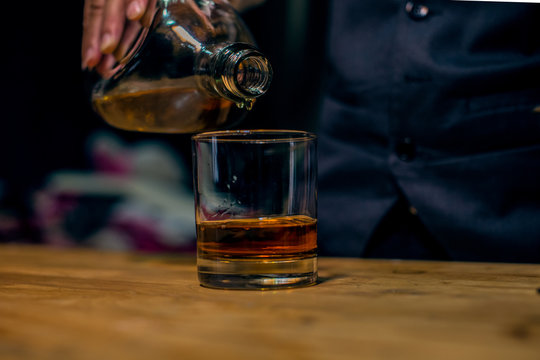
point(258, 136)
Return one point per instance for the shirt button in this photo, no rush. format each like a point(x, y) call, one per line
point(406, 150)
point(416, 11)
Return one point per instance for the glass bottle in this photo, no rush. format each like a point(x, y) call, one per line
point(194, 69)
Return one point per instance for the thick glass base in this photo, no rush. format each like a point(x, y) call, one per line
point(257, 274)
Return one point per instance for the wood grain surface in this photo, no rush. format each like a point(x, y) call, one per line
point(84, 304)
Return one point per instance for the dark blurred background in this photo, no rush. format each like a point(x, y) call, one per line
point(48, 119)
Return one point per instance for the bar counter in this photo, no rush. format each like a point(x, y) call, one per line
point(87, 304)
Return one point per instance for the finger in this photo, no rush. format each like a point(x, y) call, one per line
point(148, 17)
point(136, 9)
point(92, 20)
point(128, 39)
point(113, 25)
point(105, 66)
point(200, 15)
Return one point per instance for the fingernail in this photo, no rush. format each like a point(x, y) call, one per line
point(107, 44)
point(134, 11)
point(105, 65)
point(85, 61)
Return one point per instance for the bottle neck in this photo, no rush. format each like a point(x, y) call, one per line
point(237, 72)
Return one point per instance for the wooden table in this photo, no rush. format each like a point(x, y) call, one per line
point(84, 304)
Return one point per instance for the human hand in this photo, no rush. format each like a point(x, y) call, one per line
point(109, 29)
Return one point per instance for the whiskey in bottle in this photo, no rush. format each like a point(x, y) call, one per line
point(195, 69)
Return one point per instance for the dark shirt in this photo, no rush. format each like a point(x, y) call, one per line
point(431, 131)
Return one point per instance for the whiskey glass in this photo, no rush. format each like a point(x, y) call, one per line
point(256, 208)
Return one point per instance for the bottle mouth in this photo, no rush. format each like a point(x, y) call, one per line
point(252, 75)
point(246, 73)
point(239, 73)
